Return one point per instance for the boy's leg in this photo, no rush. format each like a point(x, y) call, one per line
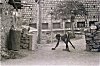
point(56, 45)
point(67, 48)
point(71, 44)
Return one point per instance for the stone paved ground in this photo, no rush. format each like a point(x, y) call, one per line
point(45, 56)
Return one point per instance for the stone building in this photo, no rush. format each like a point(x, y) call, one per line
point(29, 12)
point(92, 7)
point(58, 26)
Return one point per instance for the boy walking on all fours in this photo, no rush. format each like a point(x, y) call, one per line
point(65, 38)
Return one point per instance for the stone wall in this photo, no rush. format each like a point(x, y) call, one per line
point(92, 38)
point(47, 38)
point(5, 24)
point(7, 19)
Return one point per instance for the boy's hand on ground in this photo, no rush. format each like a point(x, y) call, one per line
point(53, 48)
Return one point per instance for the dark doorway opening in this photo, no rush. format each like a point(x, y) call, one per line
point(92, 22)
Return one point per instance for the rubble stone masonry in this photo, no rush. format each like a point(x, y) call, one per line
point(6, 20)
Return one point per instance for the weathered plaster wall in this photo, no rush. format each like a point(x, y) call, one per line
point(7, 19)
point(6, 22)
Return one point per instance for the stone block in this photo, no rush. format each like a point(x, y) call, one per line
point(33, 41)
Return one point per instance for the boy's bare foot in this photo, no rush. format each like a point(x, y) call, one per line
point(66, 50)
